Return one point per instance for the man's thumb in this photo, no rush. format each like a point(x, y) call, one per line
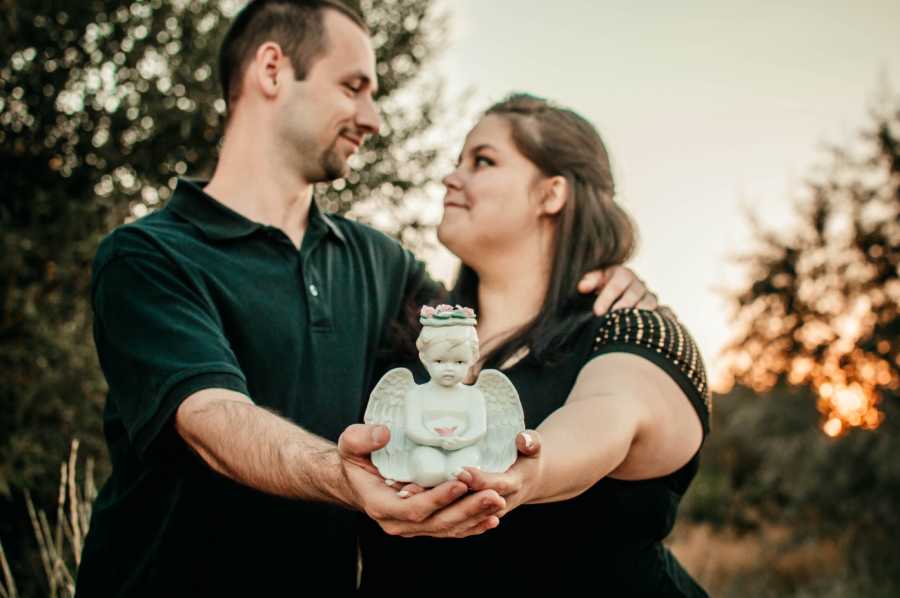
point(361, 439)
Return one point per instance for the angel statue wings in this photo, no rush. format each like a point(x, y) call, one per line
point(439, 427)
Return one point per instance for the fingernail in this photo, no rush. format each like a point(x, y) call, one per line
point(403, 493)
point(458, 490)
point(529, 442)
point(464, 476)
point(487, 504)
point(389, 482)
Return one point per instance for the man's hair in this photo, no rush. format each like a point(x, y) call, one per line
point(295, 25)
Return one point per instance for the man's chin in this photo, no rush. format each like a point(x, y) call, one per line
point(334, 168)
point(330, 173)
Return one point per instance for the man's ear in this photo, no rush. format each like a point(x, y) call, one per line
point(556, 193)
point(268, 64)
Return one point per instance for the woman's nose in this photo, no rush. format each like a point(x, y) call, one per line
point(452, 181)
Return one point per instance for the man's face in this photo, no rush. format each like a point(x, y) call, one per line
point(324, 119)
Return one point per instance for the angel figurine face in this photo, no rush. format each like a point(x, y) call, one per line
point(442, 426)
point(448, 352)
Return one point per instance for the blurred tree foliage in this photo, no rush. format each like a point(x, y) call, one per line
point(101, 107)
point(818, 327)
point(822, 308)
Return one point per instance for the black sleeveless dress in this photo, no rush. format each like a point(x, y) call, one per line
point(605, 542)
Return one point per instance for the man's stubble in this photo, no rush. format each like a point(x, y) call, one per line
point(332, 165)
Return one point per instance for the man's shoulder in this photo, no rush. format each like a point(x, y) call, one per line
point(360, 232)
point(376, 246)
point(144, 237)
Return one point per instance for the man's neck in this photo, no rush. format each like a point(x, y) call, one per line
point(263, 190)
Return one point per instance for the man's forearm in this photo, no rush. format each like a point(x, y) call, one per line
point(257, 448)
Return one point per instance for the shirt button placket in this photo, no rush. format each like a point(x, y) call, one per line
point(318, 307)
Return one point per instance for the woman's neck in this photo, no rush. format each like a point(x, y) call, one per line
point(510, 294)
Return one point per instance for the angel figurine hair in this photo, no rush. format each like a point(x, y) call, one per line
point(439, 427)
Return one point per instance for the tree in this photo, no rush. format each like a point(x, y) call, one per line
point(101, 107)
point(822, 310)
point(817, 329)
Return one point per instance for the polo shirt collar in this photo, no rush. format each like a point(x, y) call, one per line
point(218, 222)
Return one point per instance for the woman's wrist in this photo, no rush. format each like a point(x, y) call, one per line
point(532, 479)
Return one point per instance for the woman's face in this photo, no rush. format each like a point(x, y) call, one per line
point(490, 203)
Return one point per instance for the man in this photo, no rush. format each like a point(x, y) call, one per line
point(237, 329)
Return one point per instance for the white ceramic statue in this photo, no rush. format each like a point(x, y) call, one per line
point(439, 427)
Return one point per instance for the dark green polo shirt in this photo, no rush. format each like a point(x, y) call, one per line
point(196, 296)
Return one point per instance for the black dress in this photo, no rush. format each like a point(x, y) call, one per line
point(608, 540)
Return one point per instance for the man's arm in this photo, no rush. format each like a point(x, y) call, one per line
point(257, 448)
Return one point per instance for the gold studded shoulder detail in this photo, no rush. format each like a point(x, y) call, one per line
point(656, 333)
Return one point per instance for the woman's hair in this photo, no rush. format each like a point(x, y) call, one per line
point(452, 335)
point(592, 231)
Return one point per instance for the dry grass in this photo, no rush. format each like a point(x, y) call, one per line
point(7, 585)
point(771, 561)
point(59, 545)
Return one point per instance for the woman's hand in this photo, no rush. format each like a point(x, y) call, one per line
point(516, 484)
point(445, 511)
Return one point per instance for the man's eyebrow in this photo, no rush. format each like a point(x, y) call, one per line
point(365, 80)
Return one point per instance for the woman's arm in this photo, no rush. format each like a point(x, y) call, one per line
point(624, 418)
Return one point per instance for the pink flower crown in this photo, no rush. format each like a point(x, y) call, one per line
point(447, 315)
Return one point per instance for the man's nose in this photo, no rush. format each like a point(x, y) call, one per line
point(367, 118)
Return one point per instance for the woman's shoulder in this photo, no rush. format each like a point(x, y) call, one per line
point(660, 338)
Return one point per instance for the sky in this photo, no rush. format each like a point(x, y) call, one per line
point(708, 109)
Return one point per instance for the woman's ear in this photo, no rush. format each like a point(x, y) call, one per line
point(556, 193)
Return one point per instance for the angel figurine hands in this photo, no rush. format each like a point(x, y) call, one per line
point(442, 426)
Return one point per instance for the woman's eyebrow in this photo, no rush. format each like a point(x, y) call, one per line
point(475, 150)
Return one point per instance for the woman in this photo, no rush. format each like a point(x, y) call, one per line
point(620, 403)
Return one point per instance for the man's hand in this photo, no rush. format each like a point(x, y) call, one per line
point(439, 511)
point(617, 287)
point(516, 483)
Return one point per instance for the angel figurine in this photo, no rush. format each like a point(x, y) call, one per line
point(439, 427)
